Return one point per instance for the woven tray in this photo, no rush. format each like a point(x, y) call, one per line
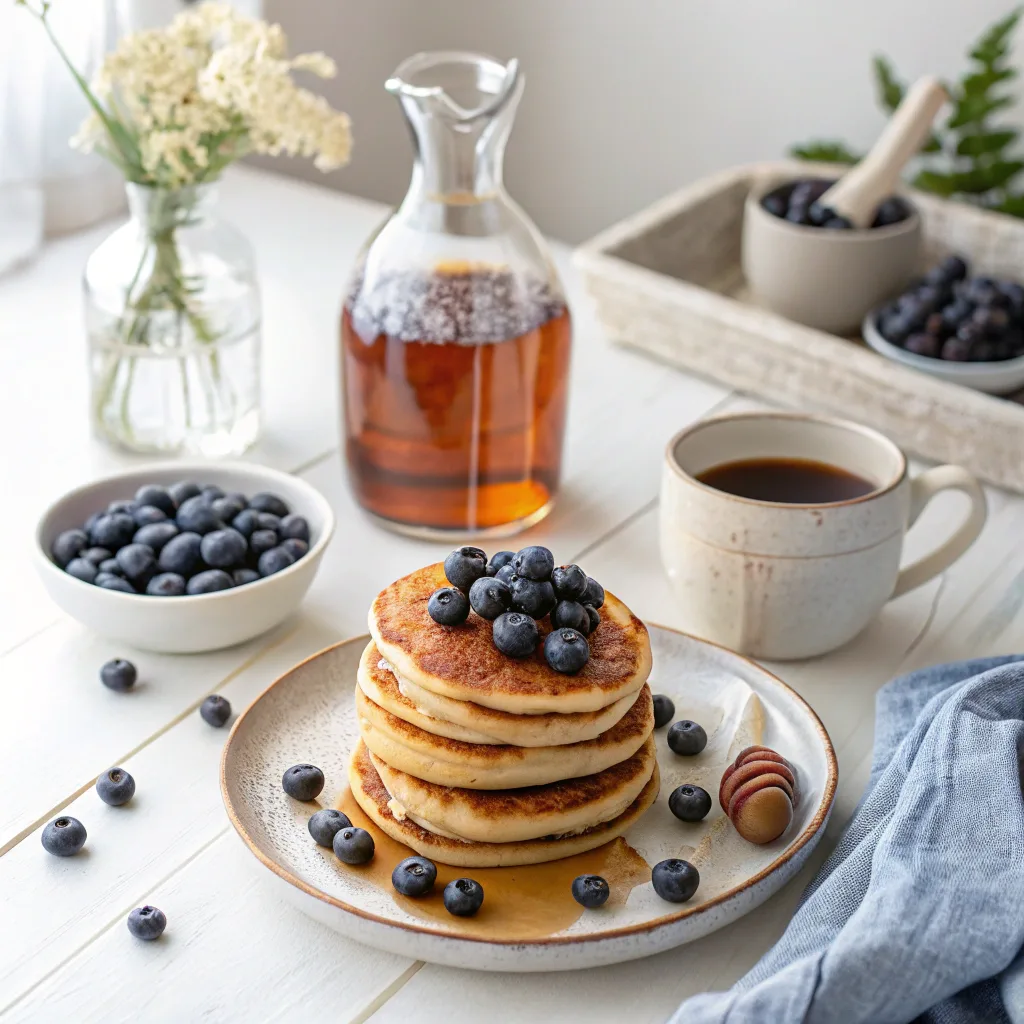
point(668, 281)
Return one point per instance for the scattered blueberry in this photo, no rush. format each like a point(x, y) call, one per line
point(489, 597)
point(516, 634)
point(448, 606)
point(498, 560)
point(268, 521)
point(215, 710)
point(265, 502)
point(464, 566)
point(110, 582)
point(590, 891)
point(571, 615)
point(534, 597)
point(196, 516)
point(414, 876)
point(181, 554)
point(68, 545)
point(209, 582)
point(228, 507)
point(158, 497)
point(243, 576)
point(353, 845)
point(534, 562)
point(675, 880)
point(144, 515)
point(113, 531)
point(463, 897)
point(595, 617)
point(566, 651)
point(182, 491)
point(137, 562)
point(689, 803)
point(664, 710)
point(64, 836)
point(595, 593)
point(294, 527)
point(687, 738)
point(115, 787)
point(156, 535)
point(119, 675)
point(166, 584)
point(246, 522)
point(147, 923)
point(303, 781)
point(274, 560)
point(96, 555)
point(570, 582)
point(223, 549)
point(82, 570)
point(262, 541)
point(326, 824)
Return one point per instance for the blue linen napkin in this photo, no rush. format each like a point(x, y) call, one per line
point(918, 915)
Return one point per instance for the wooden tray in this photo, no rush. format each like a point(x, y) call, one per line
point(668, 281)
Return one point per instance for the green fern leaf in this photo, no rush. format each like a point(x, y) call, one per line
point(985, 143)
point(824, 152)
point(890, 89)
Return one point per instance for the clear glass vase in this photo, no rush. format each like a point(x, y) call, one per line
point(172, 311)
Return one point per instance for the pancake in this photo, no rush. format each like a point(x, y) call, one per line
point(449, 762)
point(373, 798)
point(512, 815)
point(461, 662)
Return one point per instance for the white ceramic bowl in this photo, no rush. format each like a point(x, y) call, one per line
point(995, 378)
point(187, 624)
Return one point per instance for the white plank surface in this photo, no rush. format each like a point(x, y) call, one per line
point(233, 951)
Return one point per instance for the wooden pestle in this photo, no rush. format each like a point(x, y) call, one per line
point(857, 193)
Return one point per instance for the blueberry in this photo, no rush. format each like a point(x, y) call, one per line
point(215, 710)
point(113, 531)
point(590, 891)
point(209, 582)
point(534, 562)
point(91, 522)
point(498, 560)
point(924, 345)
point(818, 214)
point(506, 573)
point(675, 880)
point(138, 562)
point(64, 836)
point(146, 514)
point(115, 787)
point(294, 527)
point(223, 549)
point(463, 897)
point(158, 497)
point(295, 547)
point(414, 876)
point(156, 535)
point(689, 803)
point(262, 541)
point(268, 521)
point(96, 555)
point(954, 268)
point(68, 545)
point(890, 211)
point(303, 781)
point(595, 593)
point(895, 328)
point(210, 493)
point(956, 350)
point(935, 324)
point(110, 566)
point(266, 502)
point(490, 597)
point(127, 507)
point(448, 606)
point(570, 582)
point(147, 923)
point(571, 615)
point(119, 675)
point(687, 738)
point(243, 576)
point(108, 581)
point(166, 584)
point(246, 522)
point(81, 569)
point(182, 491)
point(353, 845)
point(796, 213)
point(775, 204)
point(181, 554)
point(838, 224)
point(195, 516)
point(464, 566)
point(664, 710)
point(535, 597)
point(326, 824)
point(274, 560)
point(983, 352)
point(595, 617)
point(566, 650)
point(226, 508)
point(516, 634)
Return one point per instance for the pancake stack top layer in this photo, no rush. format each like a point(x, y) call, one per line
point(477, 759)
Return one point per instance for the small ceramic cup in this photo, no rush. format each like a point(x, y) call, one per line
point(785, 581)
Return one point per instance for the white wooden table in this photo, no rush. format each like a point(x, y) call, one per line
point(233, 950)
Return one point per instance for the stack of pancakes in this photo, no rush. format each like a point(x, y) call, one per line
point(476, 759)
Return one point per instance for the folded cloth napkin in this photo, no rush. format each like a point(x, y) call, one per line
point(918, 915)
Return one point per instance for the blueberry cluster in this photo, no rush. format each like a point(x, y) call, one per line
point(183, 539)
point(948, 315)
point(799, 203)
point(514, 590)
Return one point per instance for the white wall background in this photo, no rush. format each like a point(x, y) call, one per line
point(627, 99)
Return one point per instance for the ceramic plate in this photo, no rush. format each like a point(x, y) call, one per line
point(529, 921)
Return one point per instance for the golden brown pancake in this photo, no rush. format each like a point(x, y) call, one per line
point(373, 798)
point(449, 762)
point(462, 662)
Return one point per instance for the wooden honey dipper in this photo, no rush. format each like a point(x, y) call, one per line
point(758, 792)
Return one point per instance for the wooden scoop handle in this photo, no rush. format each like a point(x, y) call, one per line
point(858, 192)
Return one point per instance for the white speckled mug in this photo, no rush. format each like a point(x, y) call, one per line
point(786, 581)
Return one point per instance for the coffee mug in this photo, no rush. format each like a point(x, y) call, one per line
point(781, 580)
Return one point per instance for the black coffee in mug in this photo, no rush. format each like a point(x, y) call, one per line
point(789, 481)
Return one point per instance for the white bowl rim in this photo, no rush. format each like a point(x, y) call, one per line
point(185, 469)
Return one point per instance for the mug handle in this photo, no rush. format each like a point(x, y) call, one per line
point(922, 489)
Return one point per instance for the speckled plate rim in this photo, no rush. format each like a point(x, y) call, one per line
point(793, 850)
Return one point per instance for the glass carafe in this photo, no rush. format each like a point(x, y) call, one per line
point(455, 333)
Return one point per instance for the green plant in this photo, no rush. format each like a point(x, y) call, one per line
point(970, 156)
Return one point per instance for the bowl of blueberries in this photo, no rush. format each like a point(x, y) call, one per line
point(811, 265)
point(184, 558)
point(963, 329)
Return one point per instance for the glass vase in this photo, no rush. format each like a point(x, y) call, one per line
point(172, 312)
